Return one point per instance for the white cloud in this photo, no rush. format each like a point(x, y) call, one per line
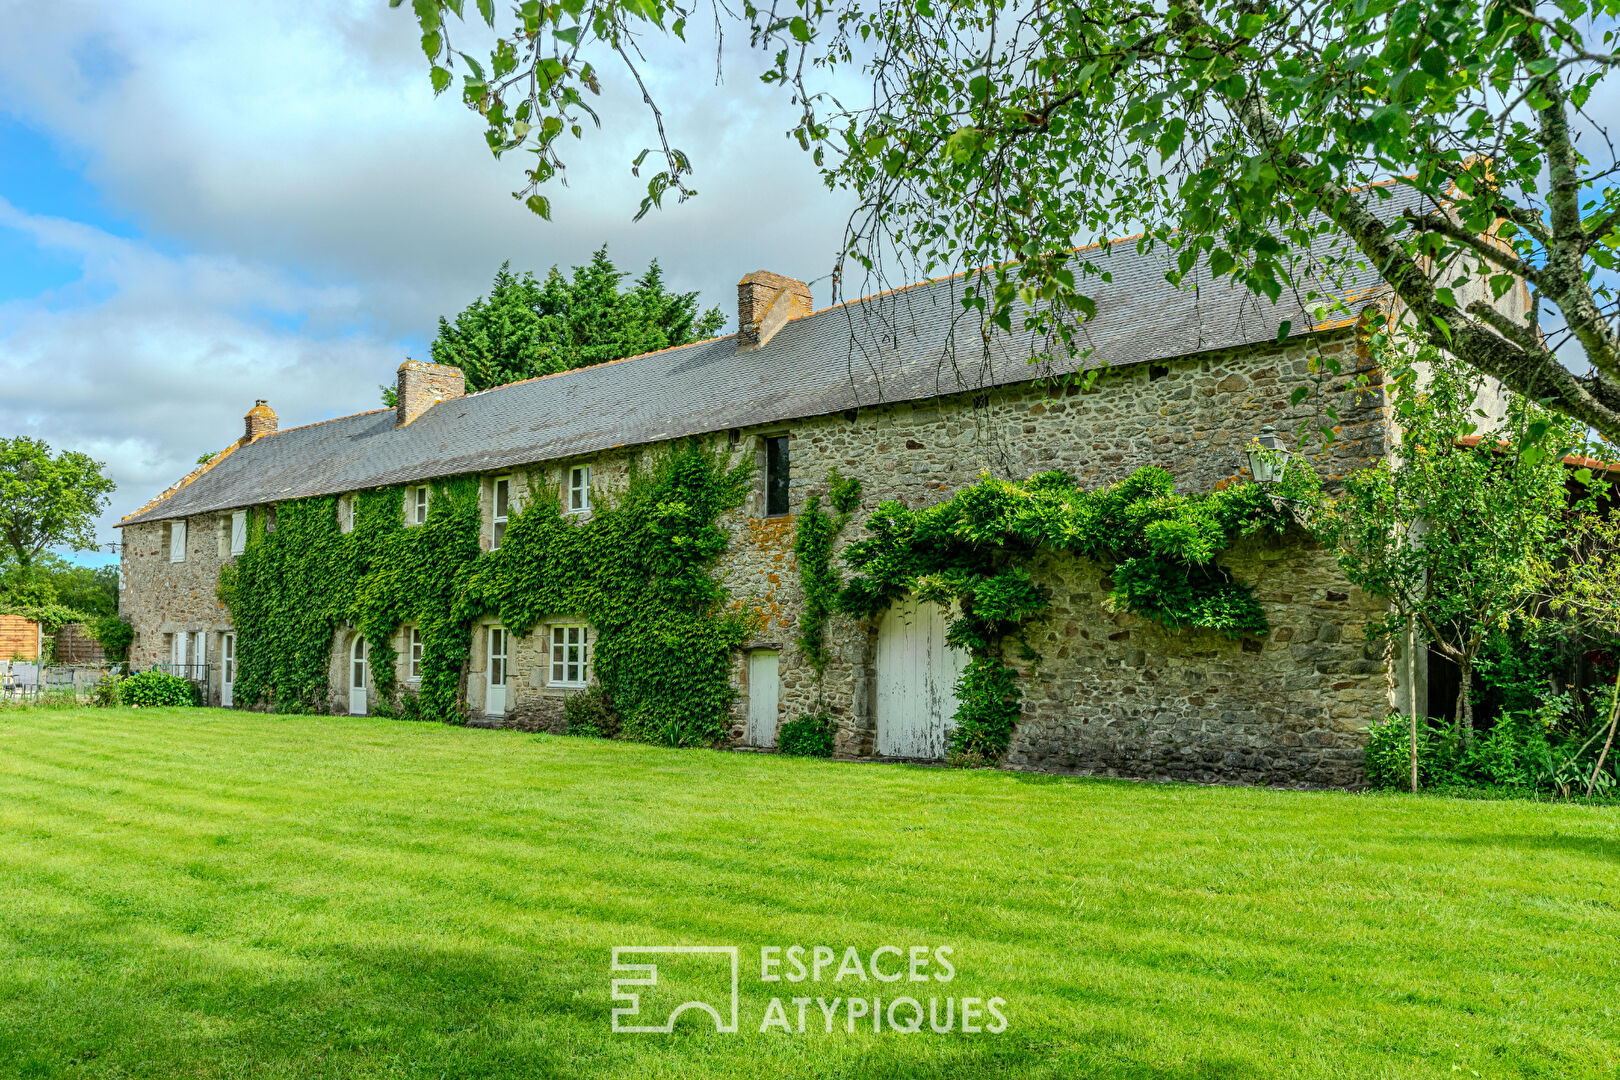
point(308, 210)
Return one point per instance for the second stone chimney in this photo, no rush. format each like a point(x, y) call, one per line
point(260, 420)
point(765, 302)
point(423, 385)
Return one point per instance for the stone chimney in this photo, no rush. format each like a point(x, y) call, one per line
point(423, 385)
point(765, 302)
point(260, 420)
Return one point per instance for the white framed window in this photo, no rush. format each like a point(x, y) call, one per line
point(414, 651)
point(579, 489)
point(345, 513)
point(238, 532)
point(416, 509)
point(570, 656)
point(177, 541)
point(224, 535)
point(500, 510)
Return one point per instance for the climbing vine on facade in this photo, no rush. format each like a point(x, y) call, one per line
point(971, 554)
point(639, 570)
point(813, 541)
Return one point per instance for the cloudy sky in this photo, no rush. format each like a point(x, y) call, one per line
point(202, 204)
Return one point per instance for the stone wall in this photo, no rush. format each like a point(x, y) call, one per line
point(1112, 694)
point(162, 598)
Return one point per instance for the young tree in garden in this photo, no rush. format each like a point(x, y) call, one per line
point(1585, 596)
point(1437, 143)
point(47, 501)
point(1464, 528)
point(526, 327)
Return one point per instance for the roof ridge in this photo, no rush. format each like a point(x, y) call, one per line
point(601, 364)
point(176, 487)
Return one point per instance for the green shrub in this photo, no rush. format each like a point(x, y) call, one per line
point(808, 736)
point(1389, 754)
point(1514, 753)
point(590, 713)
point(150, 689)
point(108, 693)
point(114, 635)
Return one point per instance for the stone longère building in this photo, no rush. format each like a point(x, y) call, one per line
point(877, 389)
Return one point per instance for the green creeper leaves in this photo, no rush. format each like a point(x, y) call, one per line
point(639, 570)
point(972, 552)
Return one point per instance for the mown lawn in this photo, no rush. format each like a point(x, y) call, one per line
point(203, 893)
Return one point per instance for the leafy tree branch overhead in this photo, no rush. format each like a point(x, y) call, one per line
point(1446, 145)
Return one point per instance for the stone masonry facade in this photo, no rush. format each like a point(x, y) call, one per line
point(1111, 694)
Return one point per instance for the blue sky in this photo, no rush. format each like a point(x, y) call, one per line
point(204, 204)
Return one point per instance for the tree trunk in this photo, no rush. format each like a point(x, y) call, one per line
point(1463, 722)
point(1614, 714)
point(1414, 752)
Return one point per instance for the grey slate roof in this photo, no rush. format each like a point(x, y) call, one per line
point(892, 347)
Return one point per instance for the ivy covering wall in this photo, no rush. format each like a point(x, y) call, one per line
point(972, 552)
point(812, 549)
point(639, 569)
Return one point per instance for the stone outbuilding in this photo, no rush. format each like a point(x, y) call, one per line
point(902, 392)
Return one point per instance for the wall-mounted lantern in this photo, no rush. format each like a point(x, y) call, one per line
point(1268, 457)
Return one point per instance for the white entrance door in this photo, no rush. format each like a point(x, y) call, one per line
point(357, 677)
point(762, 696)
point(227, 670)
point(495, 692)
point(916, 681)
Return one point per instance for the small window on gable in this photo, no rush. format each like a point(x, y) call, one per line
point(501, 508)
point(579, 489)
point(177, 541)
point(416, 508)
point(239, 532)
point(570, 656)
point(415, 653)
point(776, 476)
point(345, 513)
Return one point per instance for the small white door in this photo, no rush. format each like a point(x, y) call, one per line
point(495, 692)
point(357, 677)
point(916, 681)
point(763, 686)
point(227, 670)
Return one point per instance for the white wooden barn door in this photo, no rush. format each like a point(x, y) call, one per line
point(916, 681)
point(763, 681)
